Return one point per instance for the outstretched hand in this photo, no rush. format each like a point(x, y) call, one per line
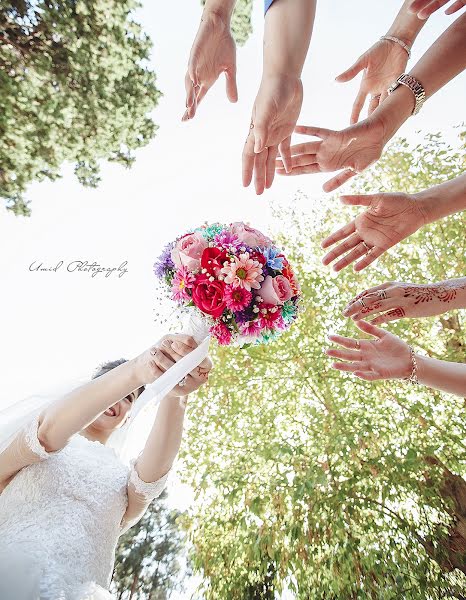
point(213, 53)
point(353, 149)
point(274, 115)
point(388, 219)
point(385, 357)
point(424, 8)
point(396, 300)
point(381, 65)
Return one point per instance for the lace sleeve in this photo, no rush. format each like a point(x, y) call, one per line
point(24, 450)
point(147, 491)
point(140, 495)
point(32, 442)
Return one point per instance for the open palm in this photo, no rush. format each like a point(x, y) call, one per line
point(381, 65)
point(385, 357)
point(389, 218)
point(353, 149)
point(274, 115)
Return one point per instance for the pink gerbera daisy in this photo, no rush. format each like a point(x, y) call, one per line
point(250, 328)
point(270, 316)
point(237, 298)
point(222, 333)
point(183, 280)
point(244, 272)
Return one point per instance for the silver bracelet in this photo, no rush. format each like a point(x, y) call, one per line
point(413, 377)
point(391, 38)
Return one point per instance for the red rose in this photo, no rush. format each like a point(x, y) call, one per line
point(208, 296)
point(212, 260)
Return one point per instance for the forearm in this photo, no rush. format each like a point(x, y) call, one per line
point(78, 409)
point(442, 375)
point(406, 25)
point(164, 441)
point(454, 292)
point(443, 200)
point(287, 34)
point(444, 60)
point(221, 8)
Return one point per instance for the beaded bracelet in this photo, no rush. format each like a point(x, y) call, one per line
point(413, 377)
point(392, 38)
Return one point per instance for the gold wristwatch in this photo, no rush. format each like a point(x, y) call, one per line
point(415, 86)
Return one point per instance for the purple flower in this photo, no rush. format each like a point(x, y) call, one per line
point(164, 261)
point(244, 316)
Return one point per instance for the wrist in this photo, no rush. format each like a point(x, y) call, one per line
point(420, 366)
point(406, 26)
point(393, 112)
point(219, 13)
point(281, 73)
point(175, 400)
point(428, 204)
point(410, 369)
point(135, 373)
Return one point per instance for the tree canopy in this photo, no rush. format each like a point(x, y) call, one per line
point(241, 24)
point(150, 556)
point(74, 86)
point(311, 480)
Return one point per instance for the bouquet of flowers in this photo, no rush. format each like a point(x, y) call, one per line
point(235, 279)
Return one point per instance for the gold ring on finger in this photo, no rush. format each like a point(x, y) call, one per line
point(362, 303)
point(358, 345)
point(367, 247)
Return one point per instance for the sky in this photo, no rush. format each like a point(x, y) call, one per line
point(58, 326)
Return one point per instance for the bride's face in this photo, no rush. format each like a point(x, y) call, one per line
point(115, 416)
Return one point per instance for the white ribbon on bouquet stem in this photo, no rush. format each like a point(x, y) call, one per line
point(129, 441)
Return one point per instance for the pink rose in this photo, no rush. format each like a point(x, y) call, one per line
point(188, 251)
point(249, 236)
point(276, 290)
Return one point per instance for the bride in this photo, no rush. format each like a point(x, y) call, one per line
point(65, 495)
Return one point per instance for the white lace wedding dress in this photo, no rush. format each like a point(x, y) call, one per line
point(60, 520)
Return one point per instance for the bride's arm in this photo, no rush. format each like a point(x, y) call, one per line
point(51, 430)
point(75, 411)
point(149, 474)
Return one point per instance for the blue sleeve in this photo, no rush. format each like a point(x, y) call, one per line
point(267, 5)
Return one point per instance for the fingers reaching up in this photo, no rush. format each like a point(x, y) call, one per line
point(213, 53)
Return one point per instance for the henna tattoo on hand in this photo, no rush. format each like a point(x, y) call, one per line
point(396, 313)
point(369, 309)
point(202, 373)
point(445, 292)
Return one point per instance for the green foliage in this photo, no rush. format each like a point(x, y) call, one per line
point(241, 24)
point(311, 480)
point(74, 86)
point(149, 556)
